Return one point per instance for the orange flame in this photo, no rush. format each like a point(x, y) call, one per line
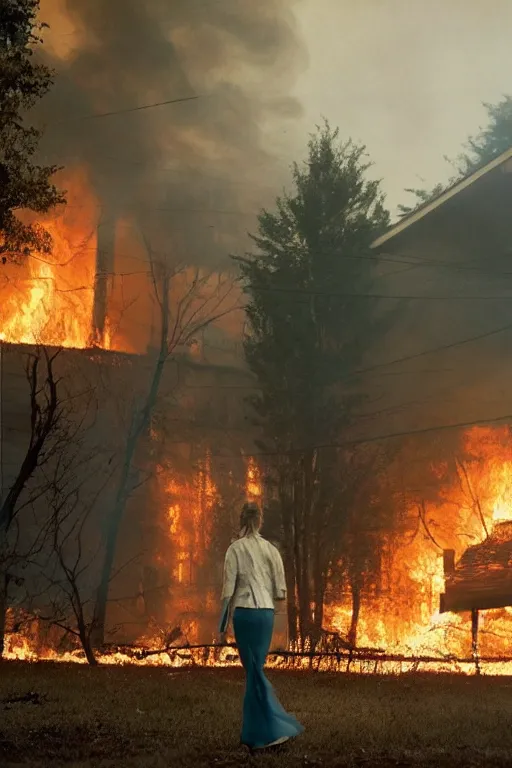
point(190, 519)
point(49, 299)
point(253, 485)
point(404, 618)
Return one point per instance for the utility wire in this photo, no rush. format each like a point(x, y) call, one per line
point(379, 296)
point(143, 107)
point(308, 292)
point(415, 355)
point(406, 358)
point(408, 261)
point(375, 438)
point(433, 350)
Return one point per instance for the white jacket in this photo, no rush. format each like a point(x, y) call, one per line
point(253, 573)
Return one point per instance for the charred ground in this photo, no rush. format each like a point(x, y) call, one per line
point(77, 716)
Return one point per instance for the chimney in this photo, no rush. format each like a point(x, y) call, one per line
point(105, 251)
point(448, 562)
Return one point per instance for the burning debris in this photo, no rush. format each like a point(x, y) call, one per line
point(167, 176)
point(408, 610)
point(482, 579)
point(32, 697)
point(140, 186)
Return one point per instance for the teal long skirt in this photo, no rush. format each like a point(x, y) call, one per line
point(264, 719)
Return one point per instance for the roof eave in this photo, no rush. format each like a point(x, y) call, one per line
point(442, 198)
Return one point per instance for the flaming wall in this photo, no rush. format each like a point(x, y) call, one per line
point(189, 186)
point(186, 512)
point(190, 470)
point(183, 516)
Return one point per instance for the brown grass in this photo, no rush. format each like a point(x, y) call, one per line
point(141, 717)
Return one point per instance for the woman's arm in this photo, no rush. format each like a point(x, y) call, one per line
point(279, 576)
point(228, 589)
point(224, 616)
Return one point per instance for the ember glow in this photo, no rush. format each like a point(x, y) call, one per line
point(405, 618)
point(253, 483)
point(49, 298)
point(190, 519)
point(189, 516)
point(44, 307)
point(404, 621)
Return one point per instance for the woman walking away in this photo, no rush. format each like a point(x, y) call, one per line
point(253, 579)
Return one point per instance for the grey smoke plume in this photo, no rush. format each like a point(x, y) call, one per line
point(199, 169)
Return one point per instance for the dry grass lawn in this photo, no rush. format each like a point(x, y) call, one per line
point(141, 717)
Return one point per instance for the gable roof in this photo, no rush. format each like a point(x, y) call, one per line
point(437, 202)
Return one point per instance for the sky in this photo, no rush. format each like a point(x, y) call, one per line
point(405, 77)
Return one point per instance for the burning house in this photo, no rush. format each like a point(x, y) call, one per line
point(188, 482)
point(455, 282)
point(177, 184)
point(460, 241)
point(191, 470)
point(482, 578)
point(144, 188)
point(189, 464)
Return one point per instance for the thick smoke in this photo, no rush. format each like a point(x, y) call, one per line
point(199, 169)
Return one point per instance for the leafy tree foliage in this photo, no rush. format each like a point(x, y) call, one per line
point(24, 185)
point(311, 324)
point(490, 142)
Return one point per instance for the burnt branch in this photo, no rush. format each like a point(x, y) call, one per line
point(45, 415)
point(461, 467)
point(422, 512)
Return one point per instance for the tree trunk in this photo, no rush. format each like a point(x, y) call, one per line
point(4, 580)
point(302, 591)
point(44, 419)
point(139, 424)
point(289, 563)
point(305, 615)
point(291, 590)
point(100, 608)
point(474, 639)
point(321, 557)
point(319, 587)
point(356, 609)
point(305, 549)
point(89, 653)
point(85, 639)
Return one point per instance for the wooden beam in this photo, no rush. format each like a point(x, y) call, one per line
point(479, 588)
point(474, 638)
point(448, 562)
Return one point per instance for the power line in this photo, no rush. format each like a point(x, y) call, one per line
point(335, 294)
point(129, 109)
point(416, 355)
point(442, 348)
point(200, 175)
point(216, 211)
point(435, 263)
point(51, 279)
point(143, 209)
point(407, 358)
point(375, 439)
point(410, 261)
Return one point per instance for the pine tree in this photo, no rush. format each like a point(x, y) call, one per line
point(490, 142)
point(311, 324)
point(25, 186)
